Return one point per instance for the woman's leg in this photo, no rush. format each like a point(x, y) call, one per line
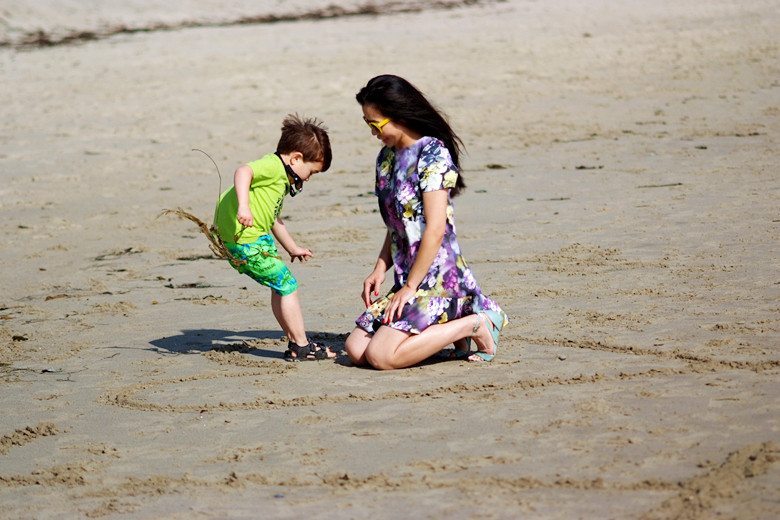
point(390, 348)
point(461, 345)
point(356, 346)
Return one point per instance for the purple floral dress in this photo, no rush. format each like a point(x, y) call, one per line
point(449, 290)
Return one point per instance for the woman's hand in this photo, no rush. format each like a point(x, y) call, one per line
point(397, 302)
point(371, 286)
point(301, 253)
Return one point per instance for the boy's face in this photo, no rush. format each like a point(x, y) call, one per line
point(304, 169)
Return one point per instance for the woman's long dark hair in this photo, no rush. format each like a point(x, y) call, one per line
point(403, 103)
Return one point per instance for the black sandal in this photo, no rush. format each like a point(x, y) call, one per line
point(311, 352)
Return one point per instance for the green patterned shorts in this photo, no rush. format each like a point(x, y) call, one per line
point(264, 265)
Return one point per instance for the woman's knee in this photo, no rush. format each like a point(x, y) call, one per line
point(355, 345)
point(382, 352)
point(378, 358)
point(362, 351)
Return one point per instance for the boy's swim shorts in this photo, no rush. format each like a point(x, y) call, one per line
point(264, 265)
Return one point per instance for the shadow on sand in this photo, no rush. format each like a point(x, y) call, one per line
point(252, 342)
point(198, 341)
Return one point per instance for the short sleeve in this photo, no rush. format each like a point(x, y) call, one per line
point(435, 167)
point(267, 171)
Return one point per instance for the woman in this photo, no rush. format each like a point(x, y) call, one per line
point(435, 300)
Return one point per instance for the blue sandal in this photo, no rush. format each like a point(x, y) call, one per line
point(496, 321)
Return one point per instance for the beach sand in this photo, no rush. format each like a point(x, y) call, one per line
point(622, 206)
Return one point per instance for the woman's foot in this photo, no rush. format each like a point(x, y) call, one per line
point(483, 337)
point(461, 351)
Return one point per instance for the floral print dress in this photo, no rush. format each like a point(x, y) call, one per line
point(449, 290)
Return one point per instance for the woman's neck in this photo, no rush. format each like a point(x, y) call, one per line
point(407, 140)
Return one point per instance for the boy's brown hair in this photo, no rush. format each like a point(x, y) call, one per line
point(308, 136)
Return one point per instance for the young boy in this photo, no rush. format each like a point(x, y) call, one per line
point(249, 211)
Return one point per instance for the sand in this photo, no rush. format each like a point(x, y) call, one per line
point(622, 207)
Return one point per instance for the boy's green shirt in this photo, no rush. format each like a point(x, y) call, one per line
point(266, 196)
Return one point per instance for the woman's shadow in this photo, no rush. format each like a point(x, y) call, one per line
point(198, 341)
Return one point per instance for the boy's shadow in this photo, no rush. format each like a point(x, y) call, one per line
point(198, 341)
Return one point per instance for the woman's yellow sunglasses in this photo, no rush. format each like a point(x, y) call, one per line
point(377, 125)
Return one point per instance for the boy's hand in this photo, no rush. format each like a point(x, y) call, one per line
point(301, 253)
point(244, 216)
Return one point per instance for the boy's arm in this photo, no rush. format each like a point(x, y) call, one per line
point(242, 179)
point(286, 240)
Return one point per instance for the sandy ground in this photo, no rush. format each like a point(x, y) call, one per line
point(622, 207)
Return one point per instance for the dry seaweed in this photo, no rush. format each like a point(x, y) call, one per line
point(216, 244)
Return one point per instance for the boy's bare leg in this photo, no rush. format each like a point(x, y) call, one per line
point(287, 310)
